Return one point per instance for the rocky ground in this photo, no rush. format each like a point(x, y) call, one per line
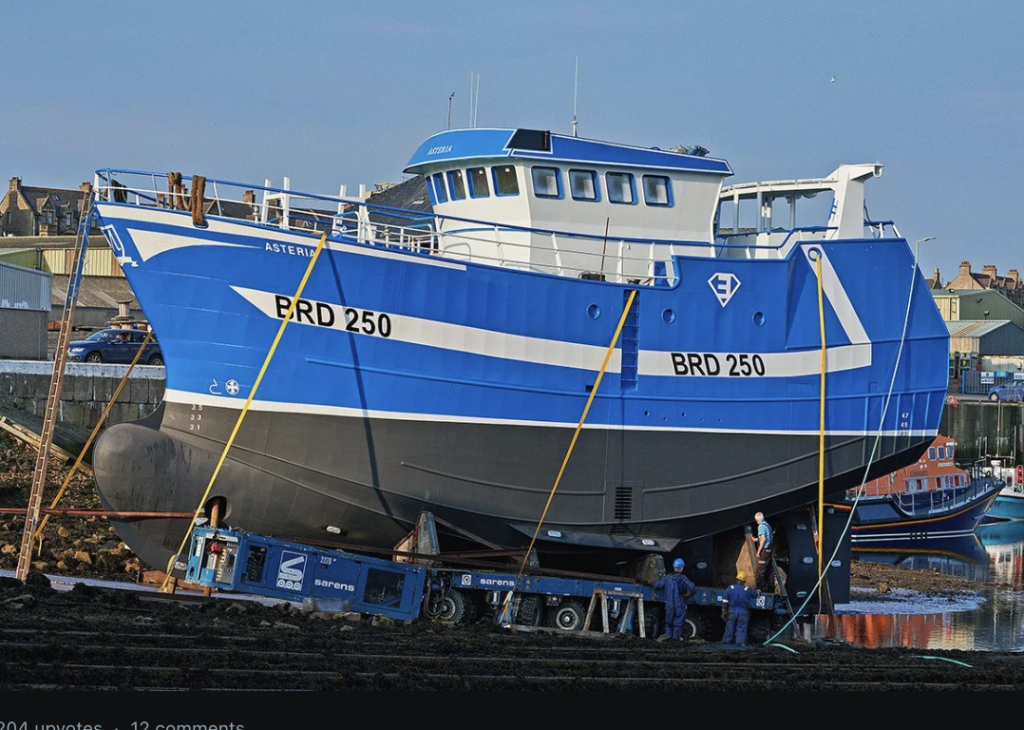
point(89, 547)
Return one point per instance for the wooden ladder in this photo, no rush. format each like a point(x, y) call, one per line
point(634, 604)
point(53, 398)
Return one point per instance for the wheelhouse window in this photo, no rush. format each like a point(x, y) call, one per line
point(583, 184)
point(949, 451)
point(942, 453)
point(478, 182)
point(656, 190)
point(547, 182)
point(456, 185)
point(439, 187)
point(620, 187)
point(931, 453)
point(505, 180)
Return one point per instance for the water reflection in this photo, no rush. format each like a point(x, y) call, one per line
point(991, 621)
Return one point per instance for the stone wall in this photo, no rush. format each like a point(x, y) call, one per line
point(86, 390)
point(984, 429)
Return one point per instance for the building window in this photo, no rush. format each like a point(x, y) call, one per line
point(547, 182)
point(656, 190)
point(505, 180)
point(439, 188)
point(478, 182)
point(620, 187)
point(456, 185)
point(583, 184)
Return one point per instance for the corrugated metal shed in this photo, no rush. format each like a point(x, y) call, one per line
point(27, 257)
point(986, 337)
point(24, 288)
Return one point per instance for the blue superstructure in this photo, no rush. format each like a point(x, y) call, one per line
point(442, 359)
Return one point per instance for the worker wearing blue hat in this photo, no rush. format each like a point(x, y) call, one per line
point(677, 588)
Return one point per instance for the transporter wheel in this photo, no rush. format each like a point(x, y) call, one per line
point(530, 611)
point(696, 625)
point(654, 619)
point(567, 616)
point(456, 607)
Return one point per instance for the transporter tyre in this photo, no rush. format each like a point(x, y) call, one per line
point(567, 616)
point(696, 625)
point(456, 607)
point(530, 611)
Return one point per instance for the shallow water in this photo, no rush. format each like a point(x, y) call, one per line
point(993, 620)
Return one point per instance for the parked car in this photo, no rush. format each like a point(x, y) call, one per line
point(117, 346)
point(1011, 391)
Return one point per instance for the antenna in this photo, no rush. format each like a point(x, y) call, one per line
point(450, 96)
point(476, 99)
point(470, 97)
point(575, 87)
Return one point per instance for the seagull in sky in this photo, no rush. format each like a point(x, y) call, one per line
point(833, 80)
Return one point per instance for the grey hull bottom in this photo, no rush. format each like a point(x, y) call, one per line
point(365, 481)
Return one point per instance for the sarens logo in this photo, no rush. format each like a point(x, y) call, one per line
point(291, 571)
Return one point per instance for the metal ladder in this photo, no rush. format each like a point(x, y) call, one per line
point(53, 399)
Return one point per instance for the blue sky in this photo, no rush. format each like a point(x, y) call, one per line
point(331, 93)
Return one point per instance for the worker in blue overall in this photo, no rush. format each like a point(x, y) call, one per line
point(677, 589)
point(739, 598)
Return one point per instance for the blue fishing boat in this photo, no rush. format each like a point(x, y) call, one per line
point(590, 345)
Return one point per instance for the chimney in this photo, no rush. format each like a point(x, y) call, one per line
point(1013, 276)
point(937, 278)
point(249, 196)
point(990, 271)
point(85, 187)
point(15, 184)
point(965, 268)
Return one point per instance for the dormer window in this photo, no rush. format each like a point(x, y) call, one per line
point(620, 187)
point(547, 182)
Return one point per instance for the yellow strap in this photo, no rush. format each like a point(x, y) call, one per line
point(248, 401)
point(95, 430)
point(579, 427)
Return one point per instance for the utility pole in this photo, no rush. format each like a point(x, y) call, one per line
point(450, 109)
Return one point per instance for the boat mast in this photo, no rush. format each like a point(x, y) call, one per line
point(575, 88)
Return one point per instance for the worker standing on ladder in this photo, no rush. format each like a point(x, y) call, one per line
point(677, 589)
point(765, 542)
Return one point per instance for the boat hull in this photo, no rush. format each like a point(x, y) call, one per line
point(286, 475)
point(882, 522)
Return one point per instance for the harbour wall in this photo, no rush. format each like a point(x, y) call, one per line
point(984, 429)
point(85, 392)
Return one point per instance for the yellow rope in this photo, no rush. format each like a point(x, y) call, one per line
point(579, 427)
point(821, 432)
point(248, 401)
point(95, 430)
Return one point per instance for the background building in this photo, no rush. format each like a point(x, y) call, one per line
point(24, 311)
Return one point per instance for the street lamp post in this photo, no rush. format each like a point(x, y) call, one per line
point(917, 248)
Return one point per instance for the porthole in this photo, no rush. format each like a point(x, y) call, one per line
point(593, 311)
point(669, 316)
point(759, 319)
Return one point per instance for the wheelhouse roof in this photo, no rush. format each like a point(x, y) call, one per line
point(463, 145)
